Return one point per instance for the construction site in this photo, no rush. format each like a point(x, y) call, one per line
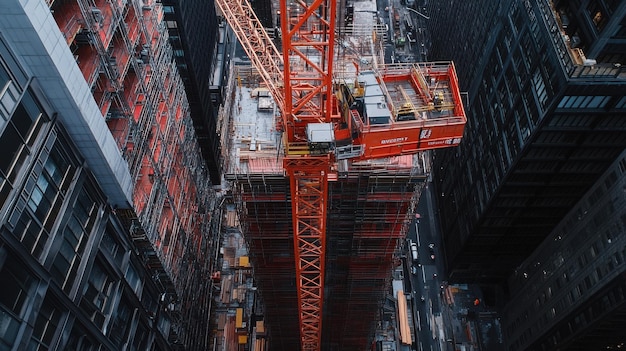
point(326, 162)
point(325, 158)
point(257, 175)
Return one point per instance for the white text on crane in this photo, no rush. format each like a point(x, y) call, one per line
point(394, 140)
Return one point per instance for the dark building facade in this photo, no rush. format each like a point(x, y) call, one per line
point(570, 294)
point(193, 34)
point(108, 228)
point(546, 117)
point(70, 277)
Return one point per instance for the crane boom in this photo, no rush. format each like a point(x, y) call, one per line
point(309, 188)
point(308, 30)
point(256, 43)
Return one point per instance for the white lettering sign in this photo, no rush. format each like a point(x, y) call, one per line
point(394, 140)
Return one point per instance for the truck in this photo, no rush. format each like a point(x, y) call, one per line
point(414, 253)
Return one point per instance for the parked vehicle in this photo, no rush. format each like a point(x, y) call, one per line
point(414, 253)
point(431, 248)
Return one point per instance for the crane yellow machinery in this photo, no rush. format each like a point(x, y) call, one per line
point(324, 121)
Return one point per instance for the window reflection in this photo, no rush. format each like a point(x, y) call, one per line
point(17, 286)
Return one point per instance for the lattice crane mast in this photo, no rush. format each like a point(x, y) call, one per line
point(306, 97)
point(324, 122)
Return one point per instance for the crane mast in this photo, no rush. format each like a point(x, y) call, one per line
point(308, 31)
point(306, 97)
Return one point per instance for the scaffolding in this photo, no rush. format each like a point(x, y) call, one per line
point(122, 49)
point(358, 203)
point(370, 205)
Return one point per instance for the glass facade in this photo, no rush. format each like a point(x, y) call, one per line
point(545, 119)
point(70, 279)
point(193, 30)
point(532, 200)
point(572, 289)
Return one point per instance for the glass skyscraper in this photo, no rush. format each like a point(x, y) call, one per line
point(546, 116)
point(532, 201)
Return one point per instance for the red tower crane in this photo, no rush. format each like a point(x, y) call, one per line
point(323, 121)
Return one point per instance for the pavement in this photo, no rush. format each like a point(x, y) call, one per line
point(469, 323)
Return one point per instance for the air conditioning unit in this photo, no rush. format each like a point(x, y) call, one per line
point(589, 62)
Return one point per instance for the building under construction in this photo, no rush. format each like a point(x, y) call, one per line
point(370, 206)
point(368, 193)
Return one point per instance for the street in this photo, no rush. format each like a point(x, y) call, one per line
point(426, 276)
point(408, 38)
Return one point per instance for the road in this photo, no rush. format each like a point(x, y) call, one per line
point(426, 280)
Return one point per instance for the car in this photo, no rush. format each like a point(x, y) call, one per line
point(431, 249)
point(410, 37)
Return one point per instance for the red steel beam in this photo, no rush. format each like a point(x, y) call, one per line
point(308, 178)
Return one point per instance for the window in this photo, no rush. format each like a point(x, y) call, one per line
point(17, 284)
point(112, 247)
point(120, 323)
point(621, 103)
point(540, 87)
point(97, 295)
point(43, 195)
point(45, 326)
point(19, 134)
point(149, 302)
point(74, 239)
point(140, 338)
point(517, 19)
point(80, 340)
point(4, 78)
point(597, 15)
point(133, 278)
point(572, 102)
point(9, 95)
point(12, 66)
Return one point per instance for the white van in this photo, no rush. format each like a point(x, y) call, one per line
point(414, 253)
